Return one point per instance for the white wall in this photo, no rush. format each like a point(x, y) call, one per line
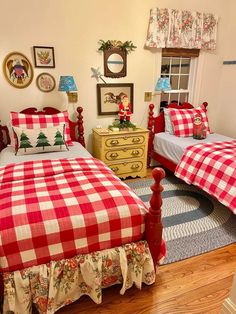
point(74, 27)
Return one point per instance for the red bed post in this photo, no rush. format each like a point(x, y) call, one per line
point(1, 139)
point(153, 225)
point(4, 133)
point(150, 128)
point(80, 126)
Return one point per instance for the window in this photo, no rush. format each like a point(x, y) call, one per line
point(179, 65)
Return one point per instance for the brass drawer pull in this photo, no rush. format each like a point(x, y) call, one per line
point(114, 142)
point(135, 153)
point(136, 166)
point(136, 140)
point(115, 169)
point(113, 155)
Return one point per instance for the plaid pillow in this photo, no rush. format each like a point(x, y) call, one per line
point(32, 121)
point(182, 120)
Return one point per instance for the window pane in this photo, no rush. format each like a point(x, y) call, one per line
point(165, 66)
point(184, 81)
point(175, 65)
point(183, 97)
point(174, 81)
point(174, 97)
point(185, 66)
point(164, 100)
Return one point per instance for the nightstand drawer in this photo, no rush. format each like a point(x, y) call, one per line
point(124, 140)
point(125, 153)
point(127, 168)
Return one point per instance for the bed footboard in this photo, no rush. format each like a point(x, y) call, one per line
point(153, 226)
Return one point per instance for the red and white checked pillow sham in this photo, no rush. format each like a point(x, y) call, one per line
point(33, 121)
point(182, 120)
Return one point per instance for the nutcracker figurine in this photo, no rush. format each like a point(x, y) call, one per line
point(199, 129)
point(125, 109)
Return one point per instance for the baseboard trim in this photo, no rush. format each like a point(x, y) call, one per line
point(228, 307)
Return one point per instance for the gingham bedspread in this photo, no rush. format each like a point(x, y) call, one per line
point(211, 167)
point(55, 209)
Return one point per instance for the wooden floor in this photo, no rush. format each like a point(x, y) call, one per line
point(195, 285)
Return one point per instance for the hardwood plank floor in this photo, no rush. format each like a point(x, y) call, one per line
point(196, 285)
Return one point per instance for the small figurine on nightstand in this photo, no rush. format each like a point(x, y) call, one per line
point(124, 109)
point(199, 129)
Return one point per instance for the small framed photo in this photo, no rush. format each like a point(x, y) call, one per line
point(44, 57)
point(45, 82)
point(109, 97)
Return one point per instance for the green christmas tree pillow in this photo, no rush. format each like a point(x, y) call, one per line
point(42, 140)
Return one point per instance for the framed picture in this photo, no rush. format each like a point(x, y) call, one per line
point(45, 82)
point(109, 96)
point(18, 70)
point(44, 57)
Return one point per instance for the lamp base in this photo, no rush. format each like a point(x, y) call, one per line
point(72, 96)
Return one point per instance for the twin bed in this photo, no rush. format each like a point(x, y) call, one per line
point(209, 164)
point(69, 226)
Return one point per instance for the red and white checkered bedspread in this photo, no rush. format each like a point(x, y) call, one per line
point(55, 209)
point(211, 167)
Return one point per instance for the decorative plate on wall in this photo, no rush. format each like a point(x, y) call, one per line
point(18, 70)
point(45, 82)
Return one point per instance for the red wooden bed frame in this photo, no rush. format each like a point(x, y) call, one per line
point(153, 221)
point(157, 125)
point(76, 127)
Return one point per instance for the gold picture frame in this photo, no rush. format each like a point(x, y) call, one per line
point(18, 70)
point(45, 82)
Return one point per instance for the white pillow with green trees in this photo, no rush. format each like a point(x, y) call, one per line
point(41, 140)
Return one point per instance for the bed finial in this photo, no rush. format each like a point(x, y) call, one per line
point(150, 128)
point(153, 219)
point(80, 126)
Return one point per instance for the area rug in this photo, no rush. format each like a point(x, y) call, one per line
point(194, 222)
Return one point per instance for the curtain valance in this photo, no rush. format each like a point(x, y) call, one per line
point(171, 28)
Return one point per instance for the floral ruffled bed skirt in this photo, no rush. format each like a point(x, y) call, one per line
point(56, 284)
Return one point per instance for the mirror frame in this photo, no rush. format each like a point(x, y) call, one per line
point(107, 53)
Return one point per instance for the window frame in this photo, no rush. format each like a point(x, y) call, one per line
point(192, 54)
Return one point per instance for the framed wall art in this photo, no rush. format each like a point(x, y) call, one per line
point(18, 70)
point(109, 96)
point(45, 82)
point(44, 57)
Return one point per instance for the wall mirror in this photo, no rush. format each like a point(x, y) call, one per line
point(115, 62)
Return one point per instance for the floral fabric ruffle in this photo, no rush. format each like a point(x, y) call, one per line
point(54, 285)
point(171, 28)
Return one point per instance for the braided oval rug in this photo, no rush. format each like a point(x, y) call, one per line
point(194, 222)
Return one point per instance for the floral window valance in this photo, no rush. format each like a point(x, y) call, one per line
point(170, 28)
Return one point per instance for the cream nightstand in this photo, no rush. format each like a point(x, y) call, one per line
point(125, 152)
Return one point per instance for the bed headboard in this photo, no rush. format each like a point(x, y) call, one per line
point(76, 127)
point(157, 124)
